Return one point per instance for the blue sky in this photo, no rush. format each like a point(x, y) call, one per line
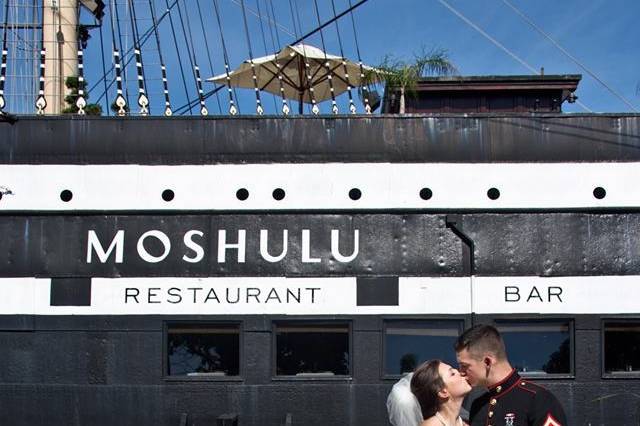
point(604, 35)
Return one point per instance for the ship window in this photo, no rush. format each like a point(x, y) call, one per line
point(408, 343)
point(312, 349)
point(622, 347)
point(539, 348)
point(203, 350)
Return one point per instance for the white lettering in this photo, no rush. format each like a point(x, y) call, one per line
point(335, 246)
point(145, 255)
point(264, 246)
point(199, 251)
point(117, 243)
point(223, 245)
point(306, 248)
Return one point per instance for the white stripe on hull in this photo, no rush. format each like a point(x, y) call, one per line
point(331, 296)
point(321, 187)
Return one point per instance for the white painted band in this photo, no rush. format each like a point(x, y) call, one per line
point(330, 296)
point(321, 186)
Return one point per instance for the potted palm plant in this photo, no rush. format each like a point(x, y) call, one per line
point(402, 76)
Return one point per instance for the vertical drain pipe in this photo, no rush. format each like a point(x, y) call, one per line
point(454, 222)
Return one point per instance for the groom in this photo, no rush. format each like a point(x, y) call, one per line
point(508, 399)
point(501, 396)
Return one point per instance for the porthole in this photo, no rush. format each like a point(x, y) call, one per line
point(493, 193)
point(66, 195)
point(426, 193)
point(278, 194)
point(355, 194)
point(168, 195)
point(599, 192)
point(242, 194)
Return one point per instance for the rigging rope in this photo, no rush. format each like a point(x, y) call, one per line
point(259, 109)
point(123, 69)
point(570, 56)
point(5, 52)
point(255, 13)
point(334, 105)
point(145, 37)
point(41, 102)
point(285, 106)
point(175, 43)
point(293, 19)
point(143, 100)
point(365, 89)
point(120, 101)
point(165, 84)
point(104, 71)
point(352, 106)
point(266, 50)
point(233, 110)
point(206, 44)
point(81, 102)
point(314, 108)
point(496, 42)
point(298, 40)
point(192, 60)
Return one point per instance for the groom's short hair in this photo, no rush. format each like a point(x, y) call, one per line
point(481, 339)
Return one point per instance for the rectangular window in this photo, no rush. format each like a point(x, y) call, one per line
point(203, 350)
point(538, 348)
point(622, 347)
point(312, 349)
point(408, 343)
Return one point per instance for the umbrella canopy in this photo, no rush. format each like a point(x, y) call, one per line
point(324, 71)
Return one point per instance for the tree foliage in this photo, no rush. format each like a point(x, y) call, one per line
point(403, 76)
point(74, 84)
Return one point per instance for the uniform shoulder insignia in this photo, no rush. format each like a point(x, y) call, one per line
point(532, 385)
point(551, 421)
point(524, 386)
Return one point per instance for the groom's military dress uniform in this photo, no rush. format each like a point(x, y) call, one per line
point(517, 402)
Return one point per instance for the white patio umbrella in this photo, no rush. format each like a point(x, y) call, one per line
point(323, 72)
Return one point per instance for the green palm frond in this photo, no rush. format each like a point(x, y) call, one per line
point(405, 75)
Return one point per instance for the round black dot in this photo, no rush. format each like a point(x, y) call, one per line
point(493, 193)
point(242, 194)
point(168, 195)
point(599, 192)
point(355, 194)
point(426, 193)
point(66, 195)
point(0, 195)
point(278, 194)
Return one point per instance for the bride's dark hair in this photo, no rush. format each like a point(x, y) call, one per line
point(425, 385)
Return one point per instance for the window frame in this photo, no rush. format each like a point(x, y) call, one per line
point(462, 319)
point(524, 319)
point(204, 378)
point(307, 321)
point(620, 375)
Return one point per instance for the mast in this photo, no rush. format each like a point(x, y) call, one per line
point(60, 39)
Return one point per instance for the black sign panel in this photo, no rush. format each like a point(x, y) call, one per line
point(229, 245)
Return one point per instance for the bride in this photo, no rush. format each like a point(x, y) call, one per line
point(440, 390)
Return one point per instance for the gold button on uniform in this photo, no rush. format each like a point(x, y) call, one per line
point(490, 414)
point(499, 389)
point(493, 401)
